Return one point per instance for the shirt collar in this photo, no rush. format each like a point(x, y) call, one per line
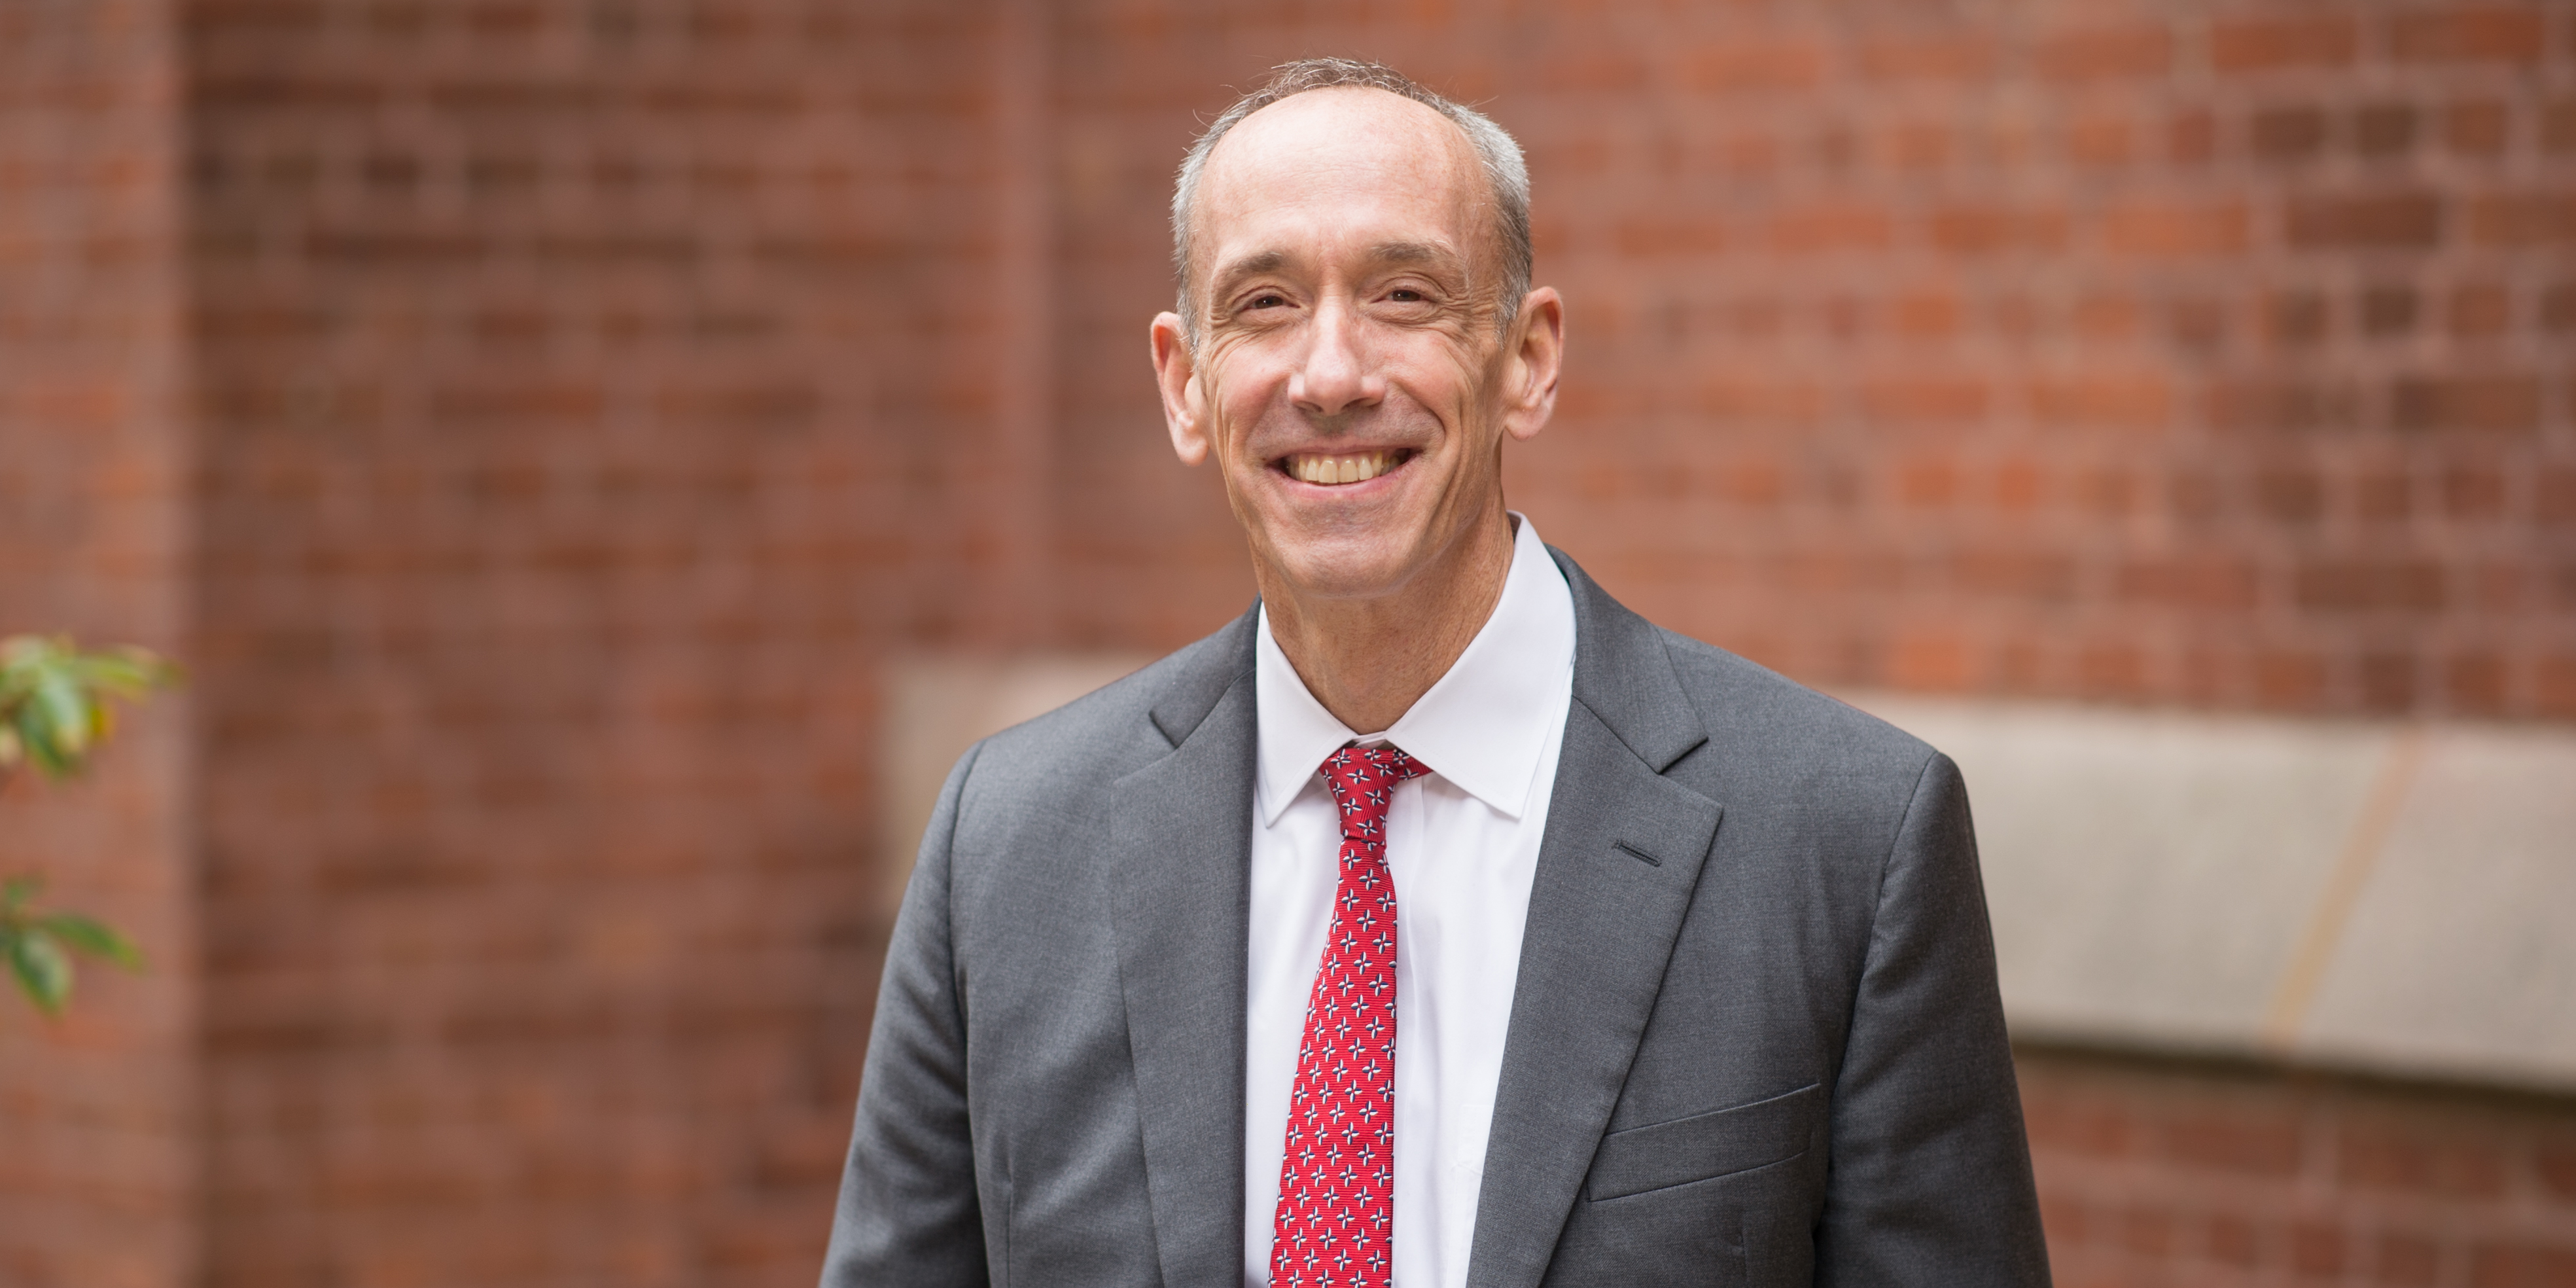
point(1483, 726)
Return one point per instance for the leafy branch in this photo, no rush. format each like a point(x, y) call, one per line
point(39, 946)
point(55, 709)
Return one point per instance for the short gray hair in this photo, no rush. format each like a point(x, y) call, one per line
point(1505, 170)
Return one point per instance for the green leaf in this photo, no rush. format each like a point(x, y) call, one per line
point(126, 672)
point(65, 717)
point(54, 698)
point(44, 971)
point(18, 890)
point(97, 938)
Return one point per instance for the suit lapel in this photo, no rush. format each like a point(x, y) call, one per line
point(1180, 913)
point(1616, 870)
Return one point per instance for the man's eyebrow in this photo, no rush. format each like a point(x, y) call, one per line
point(1264, 261)
point(1410, 252)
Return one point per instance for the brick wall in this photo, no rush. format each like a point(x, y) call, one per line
point(96, 1155)
point(588, 397)
point(583, 390)
point(2184, 353)
point(2219, 1176)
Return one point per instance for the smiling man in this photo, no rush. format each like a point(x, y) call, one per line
point(1439, 922)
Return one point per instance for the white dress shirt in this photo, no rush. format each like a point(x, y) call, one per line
point(1462, 846)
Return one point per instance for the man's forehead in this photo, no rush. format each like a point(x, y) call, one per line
point(1343, 137)
point(1360, 161)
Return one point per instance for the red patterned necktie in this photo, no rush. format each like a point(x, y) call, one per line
point(1336, 1218)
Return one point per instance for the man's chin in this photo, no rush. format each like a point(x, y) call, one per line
point(1347, 568)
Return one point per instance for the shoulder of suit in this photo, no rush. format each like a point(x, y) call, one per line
point(1745, 705)
point(1110, 731)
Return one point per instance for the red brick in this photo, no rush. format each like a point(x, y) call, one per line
point(1926, 400)
point(2149, 1231)
point(1829, 228)
point(1947, 57)
point(2264, 406)
point(2204, 582)
point(2521, 1265)
point(2554, 496)
point(1929, 316)
point(2288, 679)
point(2176, 229)
point(2127, 402)
point(2474, 684)
point(1929, 660)
point(2476, 127)
point(2191, 137)
point(2500, 404)
point(2316, 1251)
point(2554, 1163)
point(2234, 1143)
point(1756, 66)
point(2234, 1240)
point(2272, 43)
point(2469, 33)
point(2100, 140)
point(2289, 495)
point(2298, 318)
point(2473, 493)
point(2480, 311)
point(1973, 230)
point(2391, 220)
point(2021, 575)
point(2384, 130)
point(2394, 1158)
point(2407, 1259)
point(2287, 134)
point(1653, 238)
point(2112, 668)
point(2099, 53)
point(2523, 219)
point(2349, 585)
point(2558, 307)
point(2554, 680)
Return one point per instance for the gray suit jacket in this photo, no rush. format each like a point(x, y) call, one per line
point(1755, 1039)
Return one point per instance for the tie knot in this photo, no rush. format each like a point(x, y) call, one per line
point(1363, 779)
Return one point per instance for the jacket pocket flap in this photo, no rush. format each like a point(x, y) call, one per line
point(1704, 1146)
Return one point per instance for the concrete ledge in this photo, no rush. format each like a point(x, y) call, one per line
point(2390, 898)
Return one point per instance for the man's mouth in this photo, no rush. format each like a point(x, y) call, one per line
point(1348, 467)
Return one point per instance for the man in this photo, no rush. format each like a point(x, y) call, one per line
point(1439, 921)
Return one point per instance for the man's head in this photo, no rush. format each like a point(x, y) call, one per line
point(1356, 333)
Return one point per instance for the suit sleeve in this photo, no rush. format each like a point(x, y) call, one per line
point(1929, 1179)
point(909, 1215)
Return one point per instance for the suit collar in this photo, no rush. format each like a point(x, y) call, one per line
point(1617, 870)
point(1624, 676)
point(1180, 908)
point(1209, 668)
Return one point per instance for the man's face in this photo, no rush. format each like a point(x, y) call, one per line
point(1349, 378)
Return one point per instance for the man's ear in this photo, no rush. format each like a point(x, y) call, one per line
point(1184, 401)
point(1538, 351)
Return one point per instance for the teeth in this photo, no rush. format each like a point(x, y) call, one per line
point(1333, 470)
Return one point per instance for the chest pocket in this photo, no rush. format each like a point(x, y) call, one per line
point(1705, 1146)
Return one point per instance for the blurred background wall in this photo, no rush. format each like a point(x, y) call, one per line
point(596, 455)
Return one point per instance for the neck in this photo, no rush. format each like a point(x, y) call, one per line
point(1368, 660)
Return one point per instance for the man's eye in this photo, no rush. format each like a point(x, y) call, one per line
point(1267, 302)
point(1405, 295)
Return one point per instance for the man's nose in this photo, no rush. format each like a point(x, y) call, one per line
point(1335, 377)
